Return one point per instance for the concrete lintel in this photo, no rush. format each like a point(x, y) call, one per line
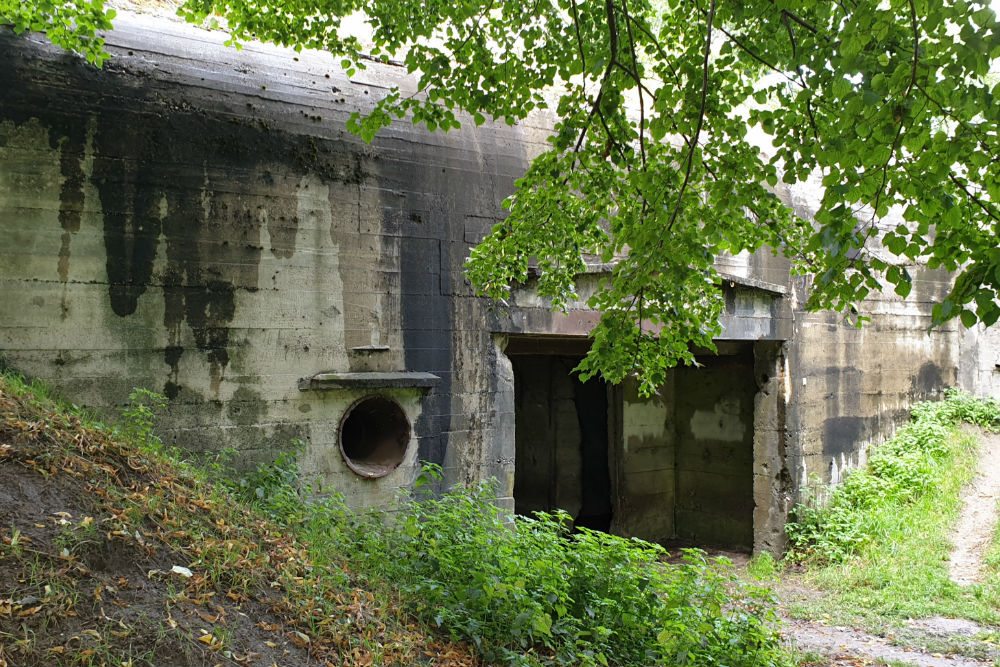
point(370, 380)
point(763, 285)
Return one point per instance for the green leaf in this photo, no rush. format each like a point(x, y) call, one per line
point(639, 192)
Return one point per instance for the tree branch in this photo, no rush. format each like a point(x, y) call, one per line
point(701, 117)
point(899, 130)
point(613, 39)
point(579, 42)
point(638, 83)
point(980, 203)
point(786, 14)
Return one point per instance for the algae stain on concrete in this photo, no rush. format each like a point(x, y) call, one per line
point(723, 422)
point(131, 235)
point(75, 162)
point(28, 183)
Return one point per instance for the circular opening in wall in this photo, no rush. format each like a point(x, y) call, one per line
point(374, 435)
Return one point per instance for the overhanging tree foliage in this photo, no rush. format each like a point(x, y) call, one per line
point(889, 101)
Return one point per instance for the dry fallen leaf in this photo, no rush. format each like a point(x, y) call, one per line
point(181, 570)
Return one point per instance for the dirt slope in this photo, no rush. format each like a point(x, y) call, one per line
point(112, 555)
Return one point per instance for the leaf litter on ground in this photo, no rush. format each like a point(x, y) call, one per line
point(112, 552)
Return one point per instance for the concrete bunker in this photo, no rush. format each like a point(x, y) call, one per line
point(679, 467)
point(258, 267)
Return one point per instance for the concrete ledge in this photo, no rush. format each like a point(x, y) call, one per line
point(372, 380)
point(762, 285)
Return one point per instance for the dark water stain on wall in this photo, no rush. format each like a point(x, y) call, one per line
point(71, 195)
point(841, 435)
point(131, 231)
point(420, 221)
point(844, 427)
point(68, 136)
point(245, 407)
point(427, 327)
point(928, 381)
point(183, 191)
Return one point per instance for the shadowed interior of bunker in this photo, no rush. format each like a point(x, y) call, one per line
point(605, 455)
point(561, 441)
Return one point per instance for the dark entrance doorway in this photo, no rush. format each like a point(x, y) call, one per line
point(714, 426)
point(676, 467)
point(561, 440)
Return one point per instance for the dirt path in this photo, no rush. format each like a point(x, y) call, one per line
point(978, 518)
point(843, 646)
point(847, 646)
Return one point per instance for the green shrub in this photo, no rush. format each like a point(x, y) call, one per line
point(534, 592)
point(963, 406)
point(272, 487)
point(527, 591)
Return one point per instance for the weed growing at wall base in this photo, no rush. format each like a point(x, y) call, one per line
point(899, 472)
point(527, 591)
point(535, 593)
point(881, 544)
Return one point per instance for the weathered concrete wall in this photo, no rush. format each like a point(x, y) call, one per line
point(197, 220)
point(714, 414)
point(849, 388)
point(773, 485)
point(646, 462)
point(979, 364)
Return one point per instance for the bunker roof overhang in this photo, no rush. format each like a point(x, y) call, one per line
point(755, 309)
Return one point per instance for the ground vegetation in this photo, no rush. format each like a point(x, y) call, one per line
point(116, 550)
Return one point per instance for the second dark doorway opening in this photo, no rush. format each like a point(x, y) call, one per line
point(561, 440)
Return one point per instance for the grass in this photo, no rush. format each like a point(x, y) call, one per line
point(903, 571)
point(880, 547)
point(153, 560)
